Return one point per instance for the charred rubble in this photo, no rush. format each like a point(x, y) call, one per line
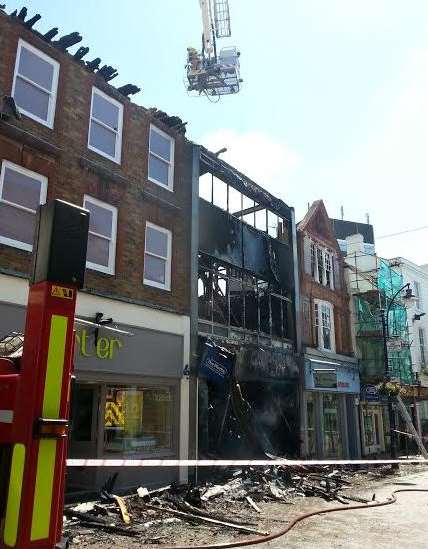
point(236, 502)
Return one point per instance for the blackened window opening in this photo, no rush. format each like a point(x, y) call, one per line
point(231, 297)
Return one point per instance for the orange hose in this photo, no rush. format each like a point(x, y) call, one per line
point(304, 516)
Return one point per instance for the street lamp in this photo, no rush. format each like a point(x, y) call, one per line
point(384, 315)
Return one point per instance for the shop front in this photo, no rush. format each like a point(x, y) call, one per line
point(374, 422)
point(330, 404)
point(130, 397)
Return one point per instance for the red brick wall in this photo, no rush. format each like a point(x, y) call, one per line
point(67, 179)
point(339, 298)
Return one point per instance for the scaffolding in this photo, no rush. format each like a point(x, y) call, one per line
point(373, 283)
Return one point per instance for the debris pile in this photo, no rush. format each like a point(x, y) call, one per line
point(234, 504)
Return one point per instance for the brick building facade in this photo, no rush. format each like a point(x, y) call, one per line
point(330, 377)
point(82, 140)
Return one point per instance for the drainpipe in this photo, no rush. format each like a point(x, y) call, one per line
point(194, 249)
point(298, 332)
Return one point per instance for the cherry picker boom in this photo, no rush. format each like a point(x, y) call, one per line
point(210, 72)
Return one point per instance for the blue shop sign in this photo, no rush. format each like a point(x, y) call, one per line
point(216, 363)
point(329, 376)
point(369, 393)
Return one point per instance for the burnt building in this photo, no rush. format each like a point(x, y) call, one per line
point(246, 307)
point(330, 374)
point(66, 132)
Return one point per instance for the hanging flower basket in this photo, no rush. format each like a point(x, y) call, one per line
point(389, 388)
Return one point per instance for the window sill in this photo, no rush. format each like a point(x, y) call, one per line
point(16, 245)
point(116, 160)
point(31, 116)
point(97, 270)
point(169, 188)
point(156, 286)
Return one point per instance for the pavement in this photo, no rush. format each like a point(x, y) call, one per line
point(401, 525)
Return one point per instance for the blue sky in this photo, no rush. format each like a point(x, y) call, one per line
point(334, 103)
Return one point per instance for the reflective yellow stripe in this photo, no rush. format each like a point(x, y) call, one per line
point(55, 367)
point(43, 493)
point(14, 495)
point(47, 448)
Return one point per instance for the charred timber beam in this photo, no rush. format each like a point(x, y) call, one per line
point(31, 22)
point(22, 14)
point(94, 64)
point(51, 34)
point(80, 53)
point(253, 209)
point(107, 72)
point(128, 89)
point(68, 40)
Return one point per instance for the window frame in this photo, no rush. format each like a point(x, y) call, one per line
point(422, 345)
point(322, 255)
point(317, 308)
point(42, 199)
point(167, 285)
point(55, 79)
point(117, 158)
point(417, 287)
point(170, 185)
point(110, 269)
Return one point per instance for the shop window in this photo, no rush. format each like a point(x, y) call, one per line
point(310, 425)
point(157, 257)
point(82, 406)
point(35, 84)
point(331, 426)
point(161, 158)
point(324, 325)
point(105, 126)
point(101, 254)
point(21, 193)
point(138, 420)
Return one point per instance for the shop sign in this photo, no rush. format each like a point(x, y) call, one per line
point(107, 348)
point(216, 363)
point(331, 377)
point(325, 379)
point(369, 393)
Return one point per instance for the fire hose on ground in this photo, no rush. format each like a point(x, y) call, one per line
point(264, 539)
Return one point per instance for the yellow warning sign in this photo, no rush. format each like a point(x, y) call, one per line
point(60, 291)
